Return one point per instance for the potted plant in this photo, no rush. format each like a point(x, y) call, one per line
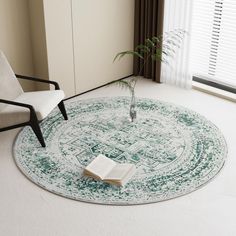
point(158, 48)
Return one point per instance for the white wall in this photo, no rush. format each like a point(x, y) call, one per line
point(58, 26)
point(101, 30)
point(82, 39)
point(15, 39)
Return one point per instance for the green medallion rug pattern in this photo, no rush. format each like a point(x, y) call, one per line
point(175, 150)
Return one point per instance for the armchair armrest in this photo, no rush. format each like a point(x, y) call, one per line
point(31, 122)
point(39, 80)
point(31, 108)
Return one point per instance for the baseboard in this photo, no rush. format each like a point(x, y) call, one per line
point(97, 87)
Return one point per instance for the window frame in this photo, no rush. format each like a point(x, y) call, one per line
point(214, 84)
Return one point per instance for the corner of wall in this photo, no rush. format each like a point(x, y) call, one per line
point(15, 39)
point(38, 38)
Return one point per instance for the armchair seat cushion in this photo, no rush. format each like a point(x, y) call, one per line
point(42, 101)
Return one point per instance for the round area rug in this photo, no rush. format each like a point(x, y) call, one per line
point(175, 150)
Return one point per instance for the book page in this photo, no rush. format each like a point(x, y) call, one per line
point(100, 166)
point(119, 172)
point(128, 176)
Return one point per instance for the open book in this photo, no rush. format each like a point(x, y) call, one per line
point(103, 168)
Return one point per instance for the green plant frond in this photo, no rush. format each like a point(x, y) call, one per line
point(118, 55)
point(123, 84)
point(180, 34)
point(149, 43)
point(176, 38)
point(177, 34)
point(179, 37)
point(142, 48)
point(158, 51)
point(165, 61)
point(122, 54)
point(134, 53)
point(162, 51)
point(156, 57)
point(161, 37)
point(156, 39)
point(168, 48)
point(157, 48)
point(172, 42)
point(181, 31)
point(166, 53)
point(132, 81)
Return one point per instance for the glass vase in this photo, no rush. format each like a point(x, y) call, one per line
point(132, 111)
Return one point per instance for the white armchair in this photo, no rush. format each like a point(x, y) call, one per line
point(19, 108)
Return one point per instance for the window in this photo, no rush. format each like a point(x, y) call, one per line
point(214, 42)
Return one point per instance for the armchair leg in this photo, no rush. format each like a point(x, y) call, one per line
point(63, 110)
point(36, 128)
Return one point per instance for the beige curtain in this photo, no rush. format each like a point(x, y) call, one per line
point(149, 16)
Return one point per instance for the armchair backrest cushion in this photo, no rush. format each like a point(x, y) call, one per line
point(10, 87)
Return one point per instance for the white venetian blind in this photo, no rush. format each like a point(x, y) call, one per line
point(214, 41)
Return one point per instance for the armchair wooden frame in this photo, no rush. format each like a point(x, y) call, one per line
point(33, 122)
